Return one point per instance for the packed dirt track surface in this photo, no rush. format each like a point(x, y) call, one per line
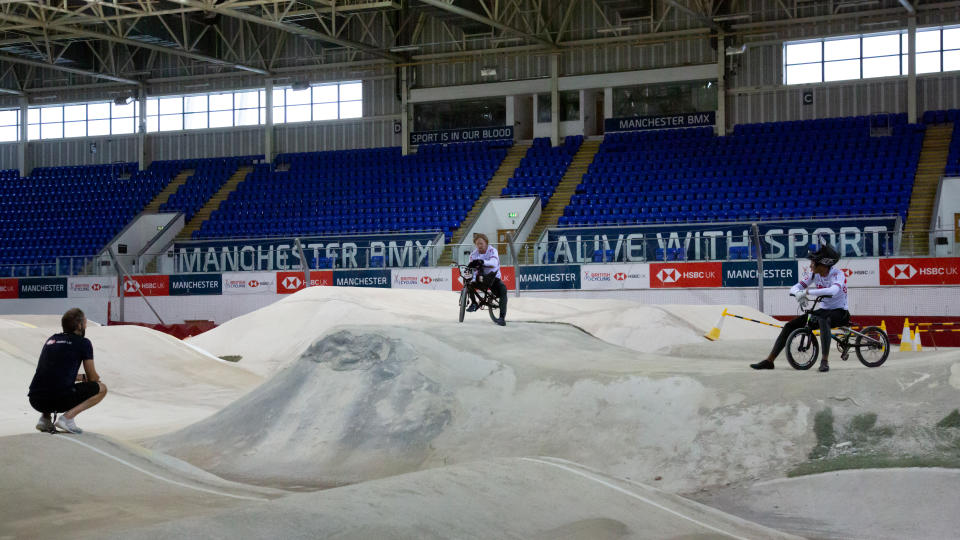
point(271, 337)
point(69, 486)
point(530, 498)
point(359, 413)
point(876, 504)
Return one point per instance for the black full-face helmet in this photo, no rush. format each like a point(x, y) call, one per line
point(824, 255)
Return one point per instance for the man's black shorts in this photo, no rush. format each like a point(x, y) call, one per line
point(64, 401)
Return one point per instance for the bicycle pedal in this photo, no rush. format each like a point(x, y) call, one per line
point(844, 356)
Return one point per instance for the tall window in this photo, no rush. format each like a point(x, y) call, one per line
point(81, 120)
point(868, 56)
point(10, 125)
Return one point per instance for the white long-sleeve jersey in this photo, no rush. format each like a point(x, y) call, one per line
point(835, 285)
point(490, 258)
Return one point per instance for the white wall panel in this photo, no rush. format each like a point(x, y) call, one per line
point(57, 152)
point(8, 156)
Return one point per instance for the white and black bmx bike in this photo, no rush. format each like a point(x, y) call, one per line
point(486, 298)
point(870, 343)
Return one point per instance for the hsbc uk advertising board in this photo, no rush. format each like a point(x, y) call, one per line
point(134, 286)
point(508, 275)
point(291, 282)
point(932, 271)
point(686, 275)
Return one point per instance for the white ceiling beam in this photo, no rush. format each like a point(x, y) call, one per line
point(80, 32)
point(441, 4)
point(44, 65)
point(908, 6)
point(299, 30)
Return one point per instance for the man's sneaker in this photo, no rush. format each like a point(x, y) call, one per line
point(67, 424)
point(501, 322)
point(45, 424)
point(765, 364)
point(472, 307)
point(824, 367)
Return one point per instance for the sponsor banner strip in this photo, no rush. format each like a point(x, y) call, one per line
point(43, 287)
point(362, 278)
point(643, 123)
point(549, 277)
point(775, 274)
point(9, 288)
point(461, 135)
point(615, 276)
point(91, 286)
point(248, 283)
point(926, 271)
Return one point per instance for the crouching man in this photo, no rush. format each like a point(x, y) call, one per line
point(57, 386)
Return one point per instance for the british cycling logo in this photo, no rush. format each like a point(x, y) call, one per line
point(596, 276)
point(292, 282)
point(668, 275)
point(406, 280)
point(902, 271)
point(620, 276)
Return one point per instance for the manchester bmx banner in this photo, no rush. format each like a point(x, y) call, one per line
point(661, 121)
point(415, 249)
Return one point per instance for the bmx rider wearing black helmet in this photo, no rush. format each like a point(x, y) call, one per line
point(824, 279)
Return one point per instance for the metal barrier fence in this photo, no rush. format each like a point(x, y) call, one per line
point(578, 249)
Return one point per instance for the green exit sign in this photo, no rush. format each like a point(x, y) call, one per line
point(513, 214)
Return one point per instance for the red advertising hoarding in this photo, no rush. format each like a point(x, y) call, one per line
point(147, 285)
point(508, 275)
point(291, 282)
point(929, 271)
point(684, 275)
point(9, 288)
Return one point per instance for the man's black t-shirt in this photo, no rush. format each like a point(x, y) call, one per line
point(59, 363)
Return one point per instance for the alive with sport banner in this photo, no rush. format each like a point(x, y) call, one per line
point(860, 272)
point(788, 240)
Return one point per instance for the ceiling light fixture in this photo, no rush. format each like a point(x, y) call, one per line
point(614, 30)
